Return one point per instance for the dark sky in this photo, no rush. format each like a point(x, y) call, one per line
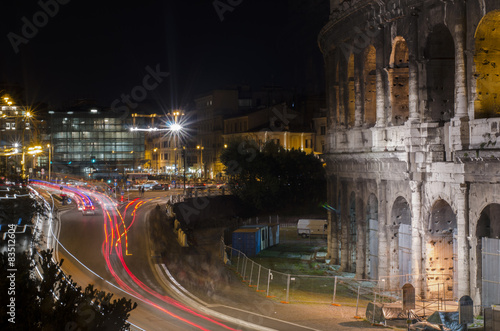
point(100, 49)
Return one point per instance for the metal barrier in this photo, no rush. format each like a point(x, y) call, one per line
point(337, 290)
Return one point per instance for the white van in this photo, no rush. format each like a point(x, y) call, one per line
point(308, 227)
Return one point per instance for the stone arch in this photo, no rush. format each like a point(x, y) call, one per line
point(440, 72)
point(488, 226)
point(400, 241)
point(351, 92)
point(370, 95)
point(372, 237)
point(398, 75)
point(487, 62)
point(441, 250)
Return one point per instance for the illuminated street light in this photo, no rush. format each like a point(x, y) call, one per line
point(176, 127)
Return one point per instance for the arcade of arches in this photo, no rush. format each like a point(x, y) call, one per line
point(412, 156)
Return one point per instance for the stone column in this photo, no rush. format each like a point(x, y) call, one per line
point(383, 250)
point(414, 116)
point(359, 95)
point(343, 92)
point(380, 94)
point(333, 235)
point(459, 125)
point(416, 238)
point(330, 77)
point(361, 233)
point(344, 223)
point(463, 272)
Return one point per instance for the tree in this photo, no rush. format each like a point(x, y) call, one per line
point(55, 302)
point(273, 177)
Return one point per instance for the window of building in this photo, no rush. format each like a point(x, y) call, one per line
point(323, 130)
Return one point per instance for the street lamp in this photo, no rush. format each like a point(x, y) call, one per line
point(50, 160)
point(201, 148)
point(156, 154)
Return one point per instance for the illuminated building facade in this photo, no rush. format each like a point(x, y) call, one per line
point(95, 143)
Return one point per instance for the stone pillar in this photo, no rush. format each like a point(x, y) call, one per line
point(330, 78)
point(463, 272)
point(416, 236)
point(361, 233)
point(414, 116)
point(344, 223)
point(459, 125)
point(380, 87)
point(383, 249)
point(381, 116)
point(333, 235)
point(359, 93)
point(343, 92)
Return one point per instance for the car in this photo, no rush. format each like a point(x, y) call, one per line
point(160, 187)
point(88, 210)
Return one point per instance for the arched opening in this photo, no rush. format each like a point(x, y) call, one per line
point(440, 70)
point(370, 86)
point(352, 95)
point(372, 237)
point(487, 258)
point(441, 251)
point(487, 61)
point(353, 238)
point(398, 73)
point(400, 263)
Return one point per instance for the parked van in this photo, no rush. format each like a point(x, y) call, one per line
point(308, 227)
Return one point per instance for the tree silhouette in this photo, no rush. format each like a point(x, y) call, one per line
point(55, 302)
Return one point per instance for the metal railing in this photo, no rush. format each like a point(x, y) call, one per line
point(338, 290)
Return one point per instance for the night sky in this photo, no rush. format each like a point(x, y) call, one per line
point(100, 49)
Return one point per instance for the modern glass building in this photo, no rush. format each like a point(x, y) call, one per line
point(95, 143)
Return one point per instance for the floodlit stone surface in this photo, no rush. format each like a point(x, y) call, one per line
point(413, 121)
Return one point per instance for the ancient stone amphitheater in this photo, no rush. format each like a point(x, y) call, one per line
point(413, 94)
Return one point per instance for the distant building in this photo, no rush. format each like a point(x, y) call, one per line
point(270, 124)
point(208, 124)
point(18, 131)
point(94, 142)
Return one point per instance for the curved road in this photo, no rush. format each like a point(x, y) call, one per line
point(111, 250)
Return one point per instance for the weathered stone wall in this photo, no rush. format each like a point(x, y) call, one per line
point(414, 118)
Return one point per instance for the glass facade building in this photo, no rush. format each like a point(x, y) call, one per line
point(94, 143)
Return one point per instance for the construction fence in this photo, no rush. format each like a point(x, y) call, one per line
point(342, 291)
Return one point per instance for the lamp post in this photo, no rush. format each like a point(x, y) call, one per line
point(50, 161)
point(201, 148)
point(156, 156)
